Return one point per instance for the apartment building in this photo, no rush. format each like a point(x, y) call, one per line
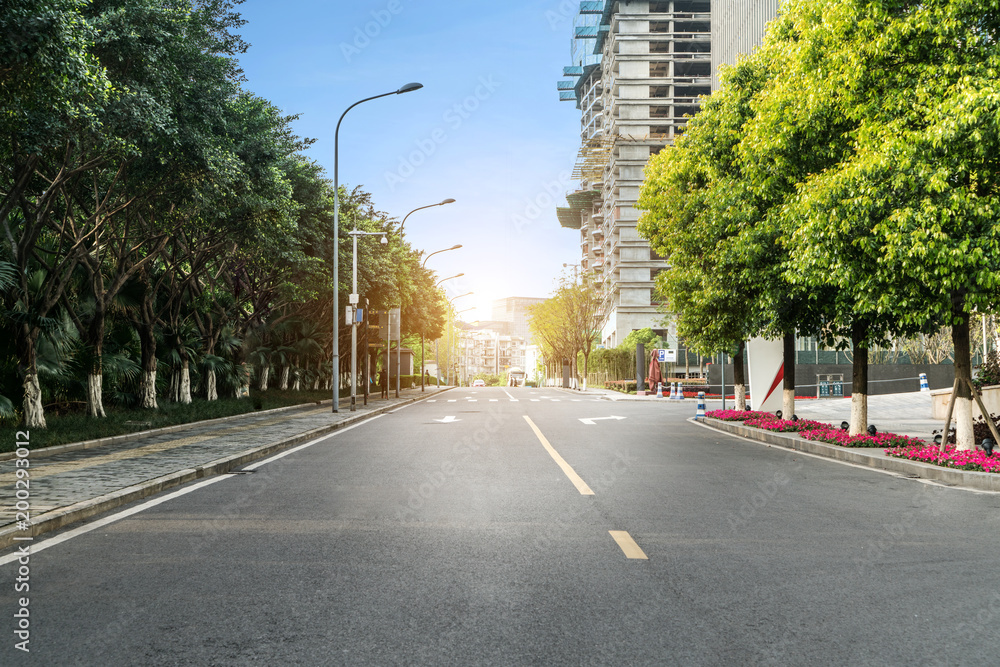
point(483, 350)
point(637, 70)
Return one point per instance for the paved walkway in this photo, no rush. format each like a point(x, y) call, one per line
point(77, 481)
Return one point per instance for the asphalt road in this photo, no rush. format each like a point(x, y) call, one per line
point(446, 533)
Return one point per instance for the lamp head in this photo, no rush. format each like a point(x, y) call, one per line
point(447, 201)
point(410, 87)
point(384, 240)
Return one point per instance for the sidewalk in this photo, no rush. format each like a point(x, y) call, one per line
point(74, 482)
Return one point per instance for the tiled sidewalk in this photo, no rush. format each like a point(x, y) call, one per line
point(92, 480)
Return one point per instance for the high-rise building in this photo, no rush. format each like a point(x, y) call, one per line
point(638, 67)
point(737, 28)
point(514, 309)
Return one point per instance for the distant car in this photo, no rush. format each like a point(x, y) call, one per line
point(478, 383)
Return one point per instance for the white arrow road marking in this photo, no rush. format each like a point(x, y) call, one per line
point(591, 420)
point(448, 419)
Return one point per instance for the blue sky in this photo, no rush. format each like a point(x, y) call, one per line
point(487, 129)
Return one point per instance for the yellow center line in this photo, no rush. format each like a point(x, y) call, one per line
point(46, 469)
point(627, 544)
point(580, 485)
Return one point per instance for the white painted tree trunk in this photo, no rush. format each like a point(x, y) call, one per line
point(211, 392)
point(243, 388)
point(741, 397)
point(265, 372)
point(964, 434)
point(859, 413)
point(95, 404)
point(787, 403)
point(34, 413)
point(147, 390)
point(297, 385)
point(284, 377)
point(185, 395)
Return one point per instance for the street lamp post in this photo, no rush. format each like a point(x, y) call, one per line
point(353, 298)
point(336, 239)
point(400, 343)
point(454, 247)
point(451, 344)
point(462, 357)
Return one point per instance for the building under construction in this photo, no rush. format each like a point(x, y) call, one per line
point(637, 70)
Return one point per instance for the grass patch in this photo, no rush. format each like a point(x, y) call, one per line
point(76, 426)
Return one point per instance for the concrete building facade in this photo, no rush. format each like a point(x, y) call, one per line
point(638, 69)
point(514, 309)
point(737, 28)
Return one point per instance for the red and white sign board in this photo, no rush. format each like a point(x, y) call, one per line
point(767, 373)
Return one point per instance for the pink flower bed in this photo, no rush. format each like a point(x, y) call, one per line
point(784, 425)
point(968, 459)
point(739, 415)
point(833, 436)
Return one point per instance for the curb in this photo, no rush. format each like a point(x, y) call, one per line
point(980, 481)
point(86, 509)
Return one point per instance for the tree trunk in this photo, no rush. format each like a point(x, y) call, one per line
point(964, 435)
point(147, 386)
point(788, 385)
point(739, 376)
point(185, 383)
point(284, 376)
point(265, 373)
point(859, 380)
point(95, 406)
point(34, 412)
point(211, 391)
point(95, 341)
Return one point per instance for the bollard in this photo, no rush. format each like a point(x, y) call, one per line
point(680, 391)
point(924, 387)
point(700, 414)
point(659, 390)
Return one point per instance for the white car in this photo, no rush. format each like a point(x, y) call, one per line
point(478, 383)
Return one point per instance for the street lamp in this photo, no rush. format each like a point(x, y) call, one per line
point(336, 239)
point(454, 247)
point(353, 298)
point(462, 359)
point(398, 350)
point(457, 275)
point(451, 344)
point(437, 361)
